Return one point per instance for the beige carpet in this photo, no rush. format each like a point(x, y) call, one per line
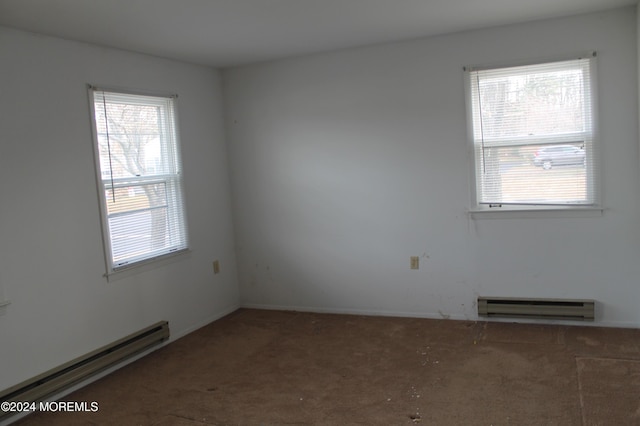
point(609, 388)
point(258, 367)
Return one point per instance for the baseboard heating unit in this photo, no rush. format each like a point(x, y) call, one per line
point(564, 309)
point(55, 380)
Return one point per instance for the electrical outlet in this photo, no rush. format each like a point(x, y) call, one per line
point(216, 267)
point(415, 262)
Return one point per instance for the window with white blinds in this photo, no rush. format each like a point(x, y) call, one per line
point(533, 135)
point(139, 177)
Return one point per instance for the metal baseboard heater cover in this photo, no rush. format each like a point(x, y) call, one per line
point(57, 379)
point(565, 309)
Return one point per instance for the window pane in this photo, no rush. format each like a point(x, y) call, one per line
point(138, 220)
point(129, 139)
point(535, 174)
point(535, 103)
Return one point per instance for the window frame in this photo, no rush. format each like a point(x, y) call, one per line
point(595, 207)
point(176, 207)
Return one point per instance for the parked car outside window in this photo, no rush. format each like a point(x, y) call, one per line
point(559, 155)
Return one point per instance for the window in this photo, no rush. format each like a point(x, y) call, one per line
point(139, 177)
point(532, 130)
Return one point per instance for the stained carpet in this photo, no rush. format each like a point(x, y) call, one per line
point(257, 367)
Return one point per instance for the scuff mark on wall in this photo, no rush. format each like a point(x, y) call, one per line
point(443, 315)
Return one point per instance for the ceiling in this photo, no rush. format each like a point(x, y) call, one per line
point(223, 33)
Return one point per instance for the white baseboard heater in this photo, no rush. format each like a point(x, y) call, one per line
point(564, 309)
point(57, 379)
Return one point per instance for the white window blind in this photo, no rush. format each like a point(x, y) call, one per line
point(533, 134)
point(140, 177)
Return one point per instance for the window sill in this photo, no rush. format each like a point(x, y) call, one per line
point(535, 212)
point(146, 265)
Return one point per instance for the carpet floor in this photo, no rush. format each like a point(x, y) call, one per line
point(257, 367)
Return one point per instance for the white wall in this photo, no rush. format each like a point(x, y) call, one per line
point(347, 163)
point(51, 254)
